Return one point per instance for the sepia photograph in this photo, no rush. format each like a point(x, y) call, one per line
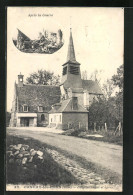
point(64, 111)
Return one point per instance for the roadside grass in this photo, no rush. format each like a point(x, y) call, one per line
point(47, 173)
point(107, 136)
point(108, 175)
point(50, 173)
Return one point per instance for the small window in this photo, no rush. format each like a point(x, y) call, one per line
point(42, 117)
point(25, 108)
point(60, 118)
point(40, 108)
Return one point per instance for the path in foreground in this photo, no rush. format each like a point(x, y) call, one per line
point(104, 154)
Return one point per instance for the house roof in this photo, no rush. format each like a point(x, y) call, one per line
point(36, 95)
point(66, 106)
point(92, 87)
point(77, 90)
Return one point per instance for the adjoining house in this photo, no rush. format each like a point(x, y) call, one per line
point(31, 103)
point(60, 106)
point(68, 114)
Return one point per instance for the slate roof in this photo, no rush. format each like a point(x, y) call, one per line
point(77, 90)
point(92, 87)
point(71, 52)
point(66, 106)
point(35, 95)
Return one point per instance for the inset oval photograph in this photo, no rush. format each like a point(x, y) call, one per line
point(44, 39)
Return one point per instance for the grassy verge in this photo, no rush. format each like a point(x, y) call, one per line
point(108, 175)
point(107, 136)
point(49, 172)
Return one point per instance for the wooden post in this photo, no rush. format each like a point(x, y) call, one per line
point(79, 125)
point(106, 127)
point(119, 128)
point(94, 126)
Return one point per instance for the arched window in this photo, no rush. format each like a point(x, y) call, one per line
point(42, 117)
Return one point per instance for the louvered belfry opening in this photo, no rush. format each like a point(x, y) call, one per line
point(74, 70)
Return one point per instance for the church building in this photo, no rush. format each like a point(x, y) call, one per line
point(65, 106)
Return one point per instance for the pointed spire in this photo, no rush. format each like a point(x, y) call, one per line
point(71, 52)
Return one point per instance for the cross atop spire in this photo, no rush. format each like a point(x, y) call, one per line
point(71, 52)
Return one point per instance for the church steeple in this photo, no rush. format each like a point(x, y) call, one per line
point(71, 76)
point(71, 52)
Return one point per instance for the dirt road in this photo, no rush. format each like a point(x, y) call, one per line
point(104, 154)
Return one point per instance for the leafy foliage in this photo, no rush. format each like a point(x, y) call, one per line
point(43, 77)
point(109, 109)
point(118, 78)
point(108, 88)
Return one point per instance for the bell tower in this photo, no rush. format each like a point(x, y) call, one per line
point(71, 76)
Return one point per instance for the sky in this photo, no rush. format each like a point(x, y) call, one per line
point(98, 36)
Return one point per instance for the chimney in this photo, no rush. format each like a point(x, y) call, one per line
point(74, 103)
point(20, 80)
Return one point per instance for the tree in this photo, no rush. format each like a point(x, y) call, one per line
point(98, 112)
point(43, 77)
point(118, 82)
point(96, 76)
point(108, 88)
point(109, 109)
point(118, 78)
point(84, 75)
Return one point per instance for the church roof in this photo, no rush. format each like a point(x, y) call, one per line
point(71, 52)
point(66, 106)
point(35, 95)
point(71, 62)
point(92, 87)
point(23, 35)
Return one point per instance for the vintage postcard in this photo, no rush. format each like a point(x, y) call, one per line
point(64, 99)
